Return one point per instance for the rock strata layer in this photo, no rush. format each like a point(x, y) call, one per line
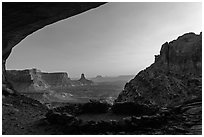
point(34, 80)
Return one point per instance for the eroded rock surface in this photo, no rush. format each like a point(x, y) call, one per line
point(22, 115)
point(175, 75)
point(33, 80)
point(183, 119)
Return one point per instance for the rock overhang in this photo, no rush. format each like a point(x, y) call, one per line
point(20, 19)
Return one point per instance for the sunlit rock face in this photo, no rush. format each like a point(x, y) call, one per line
point(20, 19)
point(26, 80)
point(183, 55)
point(56, 79)
point(175, 75)
point(33, 80)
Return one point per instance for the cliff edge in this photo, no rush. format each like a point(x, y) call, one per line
point(175, 76)
point(33, 80)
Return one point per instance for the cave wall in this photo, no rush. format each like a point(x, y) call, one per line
point(20, 19)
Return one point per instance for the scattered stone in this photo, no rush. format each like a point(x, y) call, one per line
point(95, 106)
point(59, 118)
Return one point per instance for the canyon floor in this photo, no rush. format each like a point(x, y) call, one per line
point(25, 116)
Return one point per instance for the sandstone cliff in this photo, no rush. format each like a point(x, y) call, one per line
point(34, 80)
point(27, 80)
point(60, 79)
point(175, 75)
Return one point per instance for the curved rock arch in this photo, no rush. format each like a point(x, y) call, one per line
point(22, 19)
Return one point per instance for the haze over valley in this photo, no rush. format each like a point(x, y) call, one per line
point(115, 39)
point(96, 68)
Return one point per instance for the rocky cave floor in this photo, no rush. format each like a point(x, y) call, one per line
point(25, 116)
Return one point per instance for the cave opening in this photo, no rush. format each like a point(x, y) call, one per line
point(54, 99)
point(49, 64)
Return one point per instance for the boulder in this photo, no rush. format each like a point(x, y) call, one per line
point(95, 106)
point(133, 108)
point(60, 118)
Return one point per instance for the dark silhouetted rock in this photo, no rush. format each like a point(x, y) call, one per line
point(174, 76)
point(179, 120)
point(133, 108)
point(82, 76)
point(59, 118)
point(95, 106)
point(85, 81)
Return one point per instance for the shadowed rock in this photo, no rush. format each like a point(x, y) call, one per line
point(179, 120)
point(174, 76)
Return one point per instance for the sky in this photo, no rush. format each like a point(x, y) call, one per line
point(114, 39)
